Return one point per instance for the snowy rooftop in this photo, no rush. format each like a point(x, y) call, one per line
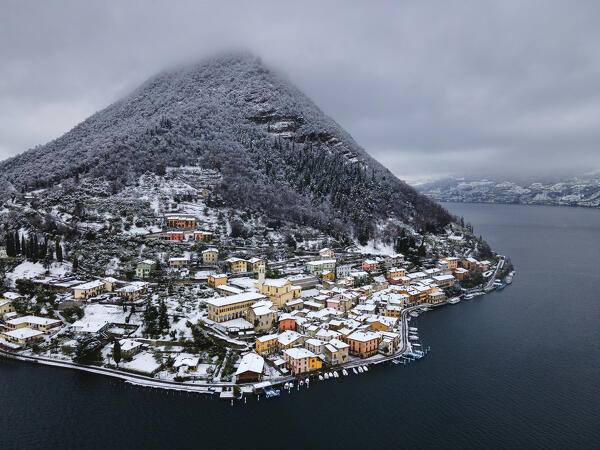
point(363, 336)
point(22, 333)
point(90, 285)
point(33, 319)
point(299, 353)
point(233, 299)
point(251, 362)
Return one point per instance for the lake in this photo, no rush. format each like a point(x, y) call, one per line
point(512, 369)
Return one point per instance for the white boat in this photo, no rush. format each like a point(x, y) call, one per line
point(354, 370)
point(320, 378)
point(344, 372)
point(301, 383)
point(360, 369)
point(330, 375)
point(335, 374)
point(412, 328)
point(365, 368)
point(307, 381)
point(326, 375)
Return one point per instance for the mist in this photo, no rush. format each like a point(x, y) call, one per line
point(507, 88)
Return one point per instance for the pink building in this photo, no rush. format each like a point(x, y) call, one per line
point(336, 304)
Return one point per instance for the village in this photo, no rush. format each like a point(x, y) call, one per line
point(236, 324)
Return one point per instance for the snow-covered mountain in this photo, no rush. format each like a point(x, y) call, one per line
point(275, 152)
point(578, 191)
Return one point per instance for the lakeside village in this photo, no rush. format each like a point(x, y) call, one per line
point(238, 325)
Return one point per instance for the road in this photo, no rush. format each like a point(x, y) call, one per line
point(490, 283)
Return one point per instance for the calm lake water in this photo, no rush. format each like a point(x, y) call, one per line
point(515, 369)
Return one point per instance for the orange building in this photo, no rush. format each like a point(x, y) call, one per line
point(216, 280)
point(181, 222)
point(363, 344)
point(370, 265)
point(203, 236)
point(452, 262)
point(176, 236)
point(287, 323)
point(266, 343)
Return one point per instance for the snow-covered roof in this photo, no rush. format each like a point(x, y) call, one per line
point(288, 337)
point(22, 333)
point(443, 277)
point(338, 344)
point(43, 321)
point(129, 344)
point(219, 275)
point(179, 259)
point(266, 338)
point(276, 282)
point(88, 326)
point(321, 262)
point(148, 261)
point(212, 250)
point(90, 285)
point(186, 360)
point(233, 299)
point(299, 353)
point(251, 362)
point(363, 336)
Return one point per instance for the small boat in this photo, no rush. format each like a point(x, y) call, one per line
point(500, 287)
point(307, 381)
point(330, 375)
point(301, 383)
point(272, 393)
point(469, 296)
point(335, 375)
point(412, 328)
point(320, 377)
point(344, 372)
point(360, 369)
point(354, 370)
point(326, 375)
point(365, 368)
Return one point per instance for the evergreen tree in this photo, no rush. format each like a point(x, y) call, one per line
point(58, 251)
point(75, 264)
point(117, 352)
point(17, 244)
point(163, 319)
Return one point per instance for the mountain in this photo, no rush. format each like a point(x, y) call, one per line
point(275, 151)
point(576, 191)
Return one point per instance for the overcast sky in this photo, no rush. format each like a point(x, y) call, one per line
point(428, 88)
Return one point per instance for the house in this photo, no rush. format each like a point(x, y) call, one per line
point(336, 352)
point(328, 275)
point(176, 235)
point(85, 327)
point(370, 265)
point(363, 344)
point(287, 322)
point(144, 268)
point(133, 291)
point(343, 271)
point(295, 304)
point(253, 264)
point(484, 266)
point(266, 344)
point(394, 272)
point(203, 236)
point(6, 306)
point(444, 281)
point(460, 273)
point(263, 315)
point(232, 307)
point(317, 267)
point(237, 265)
point(327, 335)
point(42, 324)
point(185, 363)
point(436, 298)
point(175, 263)
point(217, 280)
point(393, 260)
point(129, 347)
point(210, 256)
point(88, 290)
point(289, 339)
point(326, 253)
point(109, 283)
point(451, 262)
point(470, 263)
point(382, 323)
point(22, 336)
point(225, 289)
point(314, 345)
point(181, 221)
point(250, 369)
point(301, 360)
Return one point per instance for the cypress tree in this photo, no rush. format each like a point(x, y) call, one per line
point(17, 244)
point(117, 352)
point(75, 264)
point(58, 251)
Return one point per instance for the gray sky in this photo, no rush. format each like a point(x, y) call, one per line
point(428, 88)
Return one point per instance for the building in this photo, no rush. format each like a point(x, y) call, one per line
point(133, 291)
point(216, 280)
point(393, 260)
point(182, 222)
point(395, 272)
point(88, 290)
point(250, 369)
point(210, 256)
point(326, 253)
point(343, 271)
point(336, 352)
point(460, 273)
point(370, 265)
point(175, 263)
point(363, 344)
point(289, 339)
point(232, 307)
point(301, 360)
point(444, 281)
point(203, 236)
point(436, 298)
point(263, 315)
point(317, 267)
point(42, 324)
point(176, 236)
point(85, 327)
point(237, 265)
point(144, 268)
point(287, 322)
point(253, 264)
point(328, 275)
point(314, 345)
point(266, 344)
point(129, 347)
point(22, 336)
point(451, 262)
point(279, 290)
point(6, 306)
point(470, 263)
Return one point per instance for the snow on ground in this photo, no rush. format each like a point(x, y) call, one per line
point(142, 362)
point(376, 248)
point(108, 313)
point(31, 270)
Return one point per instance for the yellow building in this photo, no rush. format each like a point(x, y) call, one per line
point(237, 265)
point(6, 306)
point(217, 280)
point(328, 275)
point(279, 290)
point(87, 290)
point(182, 222)
point(22, 336)
point(326, 253)
point(266, 343)
point(231, 307)
point(395, 272)
point(210, 256)
point(42, 324)
point(253, 264)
